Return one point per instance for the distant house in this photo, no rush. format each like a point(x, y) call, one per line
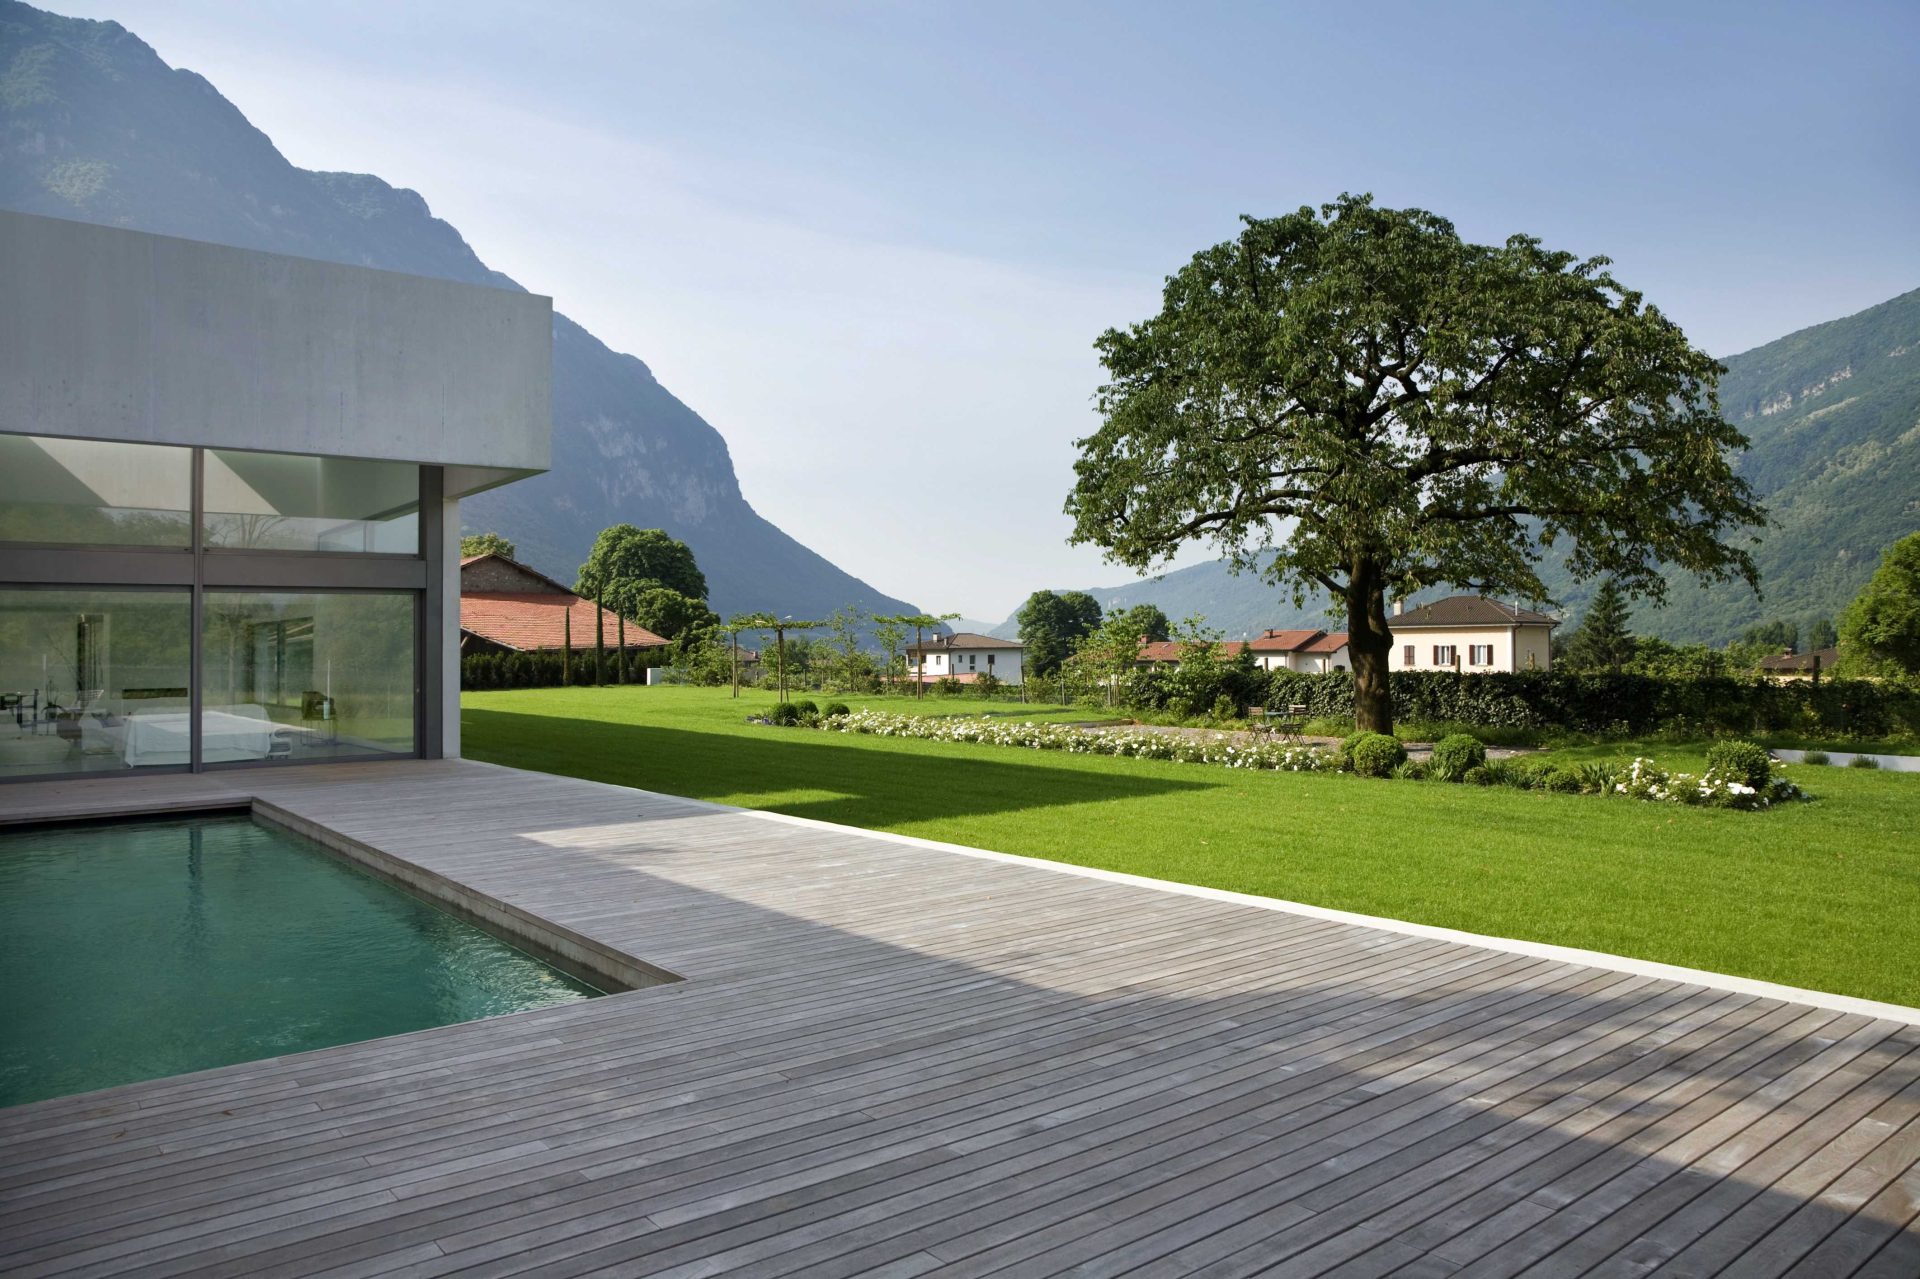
point(964, 656)
point(1470, 633)
point(1820, 661)
point(1169, 652)
point(1301, 650)
point(506, 607)
point(1276, 650)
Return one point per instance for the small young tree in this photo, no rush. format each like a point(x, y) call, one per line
point(920, 622)
point(891, 635)
point(599, 642)
point(1389, 407)
point(849, 662)
point(1880, 631)
point(566, 647)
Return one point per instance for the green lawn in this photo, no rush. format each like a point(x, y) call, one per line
point(1823, 895)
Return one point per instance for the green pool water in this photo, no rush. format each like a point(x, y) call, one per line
point(139, 949)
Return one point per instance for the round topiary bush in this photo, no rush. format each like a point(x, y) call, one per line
point(784, 714)
point(1744, 762)
point(832, 709)
point(806, 706)
point(1562, 778)
point(1478, 776)
point(1454, 754)
point(1375, 754)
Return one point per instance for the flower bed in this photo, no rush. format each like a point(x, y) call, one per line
point(1722, 785)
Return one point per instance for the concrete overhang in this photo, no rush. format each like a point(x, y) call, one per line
point(109, 334)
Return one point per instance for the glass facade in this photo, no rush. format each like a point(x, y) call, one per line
point(95, 492)
point(306, 675)
point(93, 680)
point(308, 576)
point(281, 502)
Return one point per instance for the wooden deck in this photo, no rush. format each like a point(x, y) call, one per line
point(888, 1059)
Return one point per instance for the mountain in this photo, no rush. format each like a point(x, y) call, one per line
point(95, 127)
point(1832, 416)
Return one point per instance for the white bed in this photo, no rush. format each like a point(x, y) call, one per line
point(227, 733)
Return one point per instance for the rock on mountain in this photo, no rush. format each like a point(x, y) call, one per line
point(95, 127)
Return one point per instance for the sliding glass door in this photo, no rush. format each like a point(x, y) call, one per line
point(181, 608)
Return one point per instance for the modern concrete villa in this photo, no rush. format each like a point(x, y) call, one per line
point(293, 989)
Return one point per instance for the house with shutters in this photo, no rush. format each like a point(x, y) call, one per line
point(1472, 634)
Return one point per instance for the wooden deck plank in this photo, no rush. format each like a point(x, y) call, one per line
point(893, 1059)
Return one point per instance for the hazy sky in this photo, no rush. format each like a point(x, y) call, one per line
point(873, 244)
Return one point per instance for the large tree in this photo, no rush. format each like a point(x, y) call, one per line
point(1391, 408)
point(1880, 631)
point(486, 544)
point(1051, 623)
point(626, 561)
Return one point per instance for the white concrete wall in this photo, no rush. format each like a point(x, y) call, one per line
point(941, 663)
point(118, 335)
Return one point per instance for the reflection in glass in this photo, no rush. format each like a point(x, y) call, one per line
point(94, 492)
point(92, 680)
point(280, 502)
point(306, 676)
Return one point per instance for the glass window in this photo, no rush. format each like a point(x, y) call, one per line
point(294, 676)
point(280, 502)
point(93, 680)
point(94, 492)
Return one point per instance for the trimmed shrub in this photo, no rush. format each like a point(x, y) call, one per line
point(1414, 770)
point(1563, 779)
point(805, 706)
point(1621, 704)
point(1816, 758)
point(1374, 754)
point(1454, 754)
point(1479, 776)
point(1743, 762)
point(1863, 761)
point(784, 714)
point(835, 708)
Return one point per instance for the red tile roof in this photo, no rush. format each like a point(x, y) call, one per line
point(1329, 642)
point(529, 621)
point(1285, 641)
point(1172, 650)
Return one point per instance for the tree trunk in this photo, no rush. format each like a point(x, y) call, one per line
point(1368, 643)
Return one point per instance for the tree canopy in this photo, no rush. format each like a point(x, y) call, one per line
point(1146, 621)
point(1880, 631)
point(668, 613)
point(1051, 623)
point(626, 562)
point(1391, 407)
point(485, 544)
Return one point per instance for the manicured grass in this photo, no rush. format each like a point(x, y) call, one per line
point(1823, 895)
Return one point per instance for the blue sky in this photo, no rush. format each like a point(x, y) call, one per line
point(873, 244)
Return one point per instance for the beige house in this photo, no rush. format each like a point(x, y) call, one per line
point(1470, 633)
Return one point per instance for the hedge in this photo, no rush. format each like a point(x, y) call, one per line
point(541, 669)
point(1630, 703)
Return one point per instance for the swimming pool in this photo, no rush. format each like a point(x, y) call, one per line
point(136, 949)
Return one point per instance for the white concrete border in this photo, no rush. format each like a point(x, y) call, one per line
point(1514, 945)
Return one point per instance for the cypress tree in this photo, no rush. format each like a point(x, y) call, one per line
point(620, 658)
point(1603, 640)
point(599, 643)
point(566, 648)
